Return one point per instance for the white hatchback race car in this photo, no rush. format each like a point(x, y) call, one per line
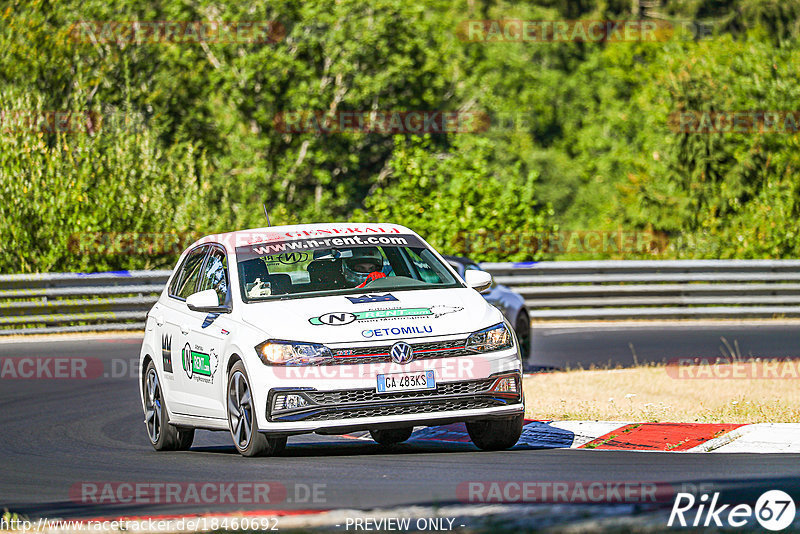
point(326, 328)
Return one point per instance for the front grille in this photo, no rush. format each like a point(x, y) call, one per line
point(358, 403)
point(370, 395)
point(403, 409)
point(422, 351)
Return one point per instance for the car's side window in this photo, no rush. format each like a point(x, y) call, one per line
point(185, 282)
point(176, 280)
point(215, 274)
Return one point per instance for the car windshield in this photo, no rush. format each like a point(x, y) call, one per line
point(339, 265)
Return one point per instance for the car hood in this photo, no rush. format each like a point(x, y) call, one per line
point(373, 317)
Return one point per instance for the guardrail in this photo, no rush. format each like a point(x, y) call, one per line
point(653, 289)
point(66, 302)
point(55, 303)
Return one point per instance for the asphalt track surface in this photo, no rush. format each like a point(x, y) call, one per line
point(59, 434)
point(616, 345)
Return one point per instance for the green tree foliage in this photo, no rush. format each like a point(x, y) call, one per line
point(579, 137)
point(457, 199)
point(724, 194)
point(76, 202)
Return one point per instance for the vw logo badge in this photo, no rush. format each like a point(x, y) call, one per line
point(401, 353)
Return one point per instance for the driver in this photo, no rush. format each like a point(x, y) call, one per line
point(363, 267)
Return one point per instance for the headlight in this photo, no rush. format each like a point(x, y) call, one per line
point(493, 338)
point(291, 353)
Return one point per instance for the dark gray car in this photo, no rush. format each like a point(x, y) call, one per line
point(504, 299)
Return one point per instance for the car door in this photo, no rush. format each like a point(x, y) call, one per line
point(208, 334)
point(174, 314)
point(165, 325)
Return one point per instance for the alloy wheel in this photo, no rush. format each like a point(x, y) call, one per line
point(240, 409)
point(152, 406)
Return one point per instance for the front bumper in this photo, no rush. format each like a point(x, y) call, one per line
point(346, 410)
point(342, 397)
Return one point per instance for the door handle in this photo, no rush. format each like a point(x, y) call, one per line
point(184, 329)
point(159, 319)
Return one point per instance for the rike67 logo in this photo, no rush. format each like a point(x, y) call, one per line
point(774, 510)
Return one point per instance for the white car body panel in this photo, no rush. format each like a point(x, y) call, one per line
point(200, 400)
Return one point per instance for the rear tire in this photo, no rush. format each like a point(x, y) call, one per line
point(391, 436)
point(496, 434)
point(163, 436)
point(242, 418)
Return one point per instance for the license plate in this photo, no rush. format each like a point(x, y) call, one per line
point(406, 382)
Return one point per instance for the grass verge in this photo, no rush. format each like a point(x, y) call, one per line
point(656, 393)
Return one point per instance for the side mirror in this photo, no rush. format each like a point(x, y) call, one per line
point(206, 302)
point(480, 281)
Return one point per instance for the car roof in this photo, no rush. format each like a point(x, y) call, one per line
point(251, 236)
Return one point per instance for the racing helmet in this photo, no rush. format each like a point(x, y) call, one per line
point(363, 262)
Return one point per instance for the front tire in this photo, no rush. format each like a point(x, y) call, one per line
point(163, 436)
point(496, 434)
point(242, 418)
point(391, 436)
